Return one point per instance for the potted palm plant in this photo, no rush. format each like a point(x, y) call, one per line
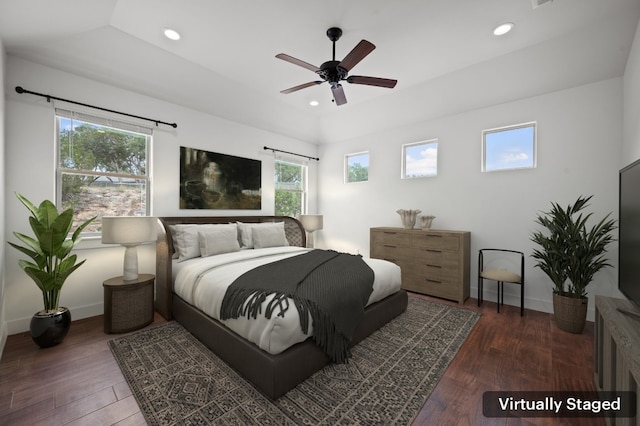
point(570, 254)
point(51, 264)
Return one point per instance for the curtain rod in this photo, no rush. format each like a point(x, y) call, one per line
point(292, 153)
point(49, 97)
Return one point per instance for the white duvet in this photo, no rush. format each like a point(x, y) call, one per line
point(203, 281)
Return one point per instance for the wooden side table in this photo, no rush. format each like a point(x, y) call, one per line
point(128, 305)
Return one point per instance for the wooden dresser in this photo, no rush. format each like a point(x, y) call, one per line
point(433, 262)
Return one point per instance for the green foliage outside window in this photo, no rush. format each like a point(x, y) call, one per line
point(358, 173)
point(289, 186)
point(357, 167)
point(102, 170)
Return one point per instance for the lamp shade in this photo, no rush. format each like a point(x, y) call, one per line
point(311, 222)
point(128, 229)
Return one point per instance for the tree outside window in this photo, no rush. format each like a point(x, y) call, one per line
point(290, 189)
point(102, 170)
point(357, 167)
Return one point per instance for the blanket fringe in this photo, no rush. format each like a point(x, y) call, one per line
point(248, 303)
point(329, 287)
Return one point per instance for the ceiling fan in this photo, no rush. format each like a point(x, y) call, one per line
point(334, 71)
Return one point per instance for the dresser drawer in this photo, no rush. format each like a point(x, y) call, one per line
point(445, 289)
point(420, 239)
point(432, 272)
point(418, 255)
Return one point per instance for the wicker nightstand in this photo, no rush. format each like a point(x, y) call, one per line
point(128, 305)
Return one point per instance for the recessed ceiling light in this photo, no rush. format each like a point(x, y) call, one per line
point(171, 34)
point(314, 103)
point(502, 29)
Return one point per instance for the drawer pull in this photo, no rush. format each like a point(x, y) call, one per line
point(390, 246)
point(434, 235)
point(389, 233)
point(433, 250)
point(433, 281)
point(434, 266)
point(391, 260)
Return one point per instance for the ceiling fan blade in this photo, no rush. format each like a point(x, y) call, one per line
point(372, 81)
point(338, 94)
point(298, 62)
point(302, 86)
point(358, 53)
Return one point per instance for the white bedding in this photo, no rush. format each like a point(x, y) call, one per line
point(203, 281)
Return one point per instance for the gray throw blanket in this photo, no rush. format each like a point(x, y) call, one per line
point(332, 287)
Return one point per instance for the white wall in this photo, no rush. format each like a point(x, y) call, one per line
point(30, 170)
point(631, 99)
point(3, 319)
point(579, 148)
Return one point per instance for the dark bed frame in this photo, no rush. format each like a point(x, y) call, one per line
point(274, 375)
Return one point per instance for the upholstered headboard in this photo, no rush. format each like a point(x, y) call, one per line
point(164, 248)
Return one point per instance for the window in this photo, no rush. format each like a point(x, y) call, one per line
point(291, 189)
point(102, 167)
point(508, 148)
point(420, 159)
point(356, 167)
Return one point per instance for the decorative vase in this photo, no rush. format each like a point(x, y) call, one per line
point(408, 217)
point(570, 313)
point(426, 221)
point(50, 328)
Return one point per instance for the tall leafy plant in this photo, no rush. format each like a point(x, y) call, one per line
point(570, 253)
point(49, 249)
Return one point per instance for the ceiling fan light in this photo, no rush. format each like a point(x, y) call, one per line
point(171, 34)
point(502, 29)
point(314, 103)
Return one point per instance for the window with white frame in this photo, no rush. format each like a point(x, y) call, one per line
point(290, 189)
point(356, 167)
point(508, 148)
point(420, 159)
point(102, 167)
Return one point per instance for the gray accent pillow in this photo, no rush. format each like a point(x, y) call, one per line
point(218, 240)
point(268, 236)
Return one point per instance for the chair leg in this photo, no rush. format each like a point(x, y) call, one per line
point(480, 291)
point(522, 300)
point(500, 289)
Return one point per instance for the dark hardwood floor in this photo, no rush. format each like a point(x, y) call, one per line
point(78, 382)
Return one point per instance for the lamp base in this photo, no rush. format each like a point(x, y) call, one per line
point(310, 240)
point(130, 268)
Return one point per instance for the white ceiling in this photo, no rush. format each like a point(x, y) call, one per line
point(441, 52)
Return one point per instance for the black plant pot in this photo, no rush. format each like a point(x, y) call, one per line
point(50, 328)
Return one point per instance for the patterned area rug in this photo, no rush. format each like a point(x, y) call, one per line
point(178, 381)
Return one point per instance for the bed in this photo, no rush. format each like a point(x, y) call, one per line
point(270, 364)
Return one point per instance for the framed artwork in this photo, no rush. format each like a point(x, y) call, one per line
point(210, 180)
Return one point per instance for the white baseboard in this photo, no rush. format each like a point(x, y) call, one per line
point(534, 304)
point(22, 324)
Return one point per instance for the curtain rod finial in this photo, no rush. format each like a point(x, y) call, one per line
point(19, 89)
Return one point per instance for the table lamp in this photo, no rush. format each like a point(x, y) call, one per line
point(130, 232)
point(311, 223)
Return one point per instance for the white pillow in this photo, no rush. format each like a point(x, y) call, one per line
point(268, 236)
point(218, 240)
point(186, 242)
point(246, 235)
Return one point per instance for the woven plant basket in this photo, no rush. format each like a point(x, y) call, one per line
point(570, 313)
